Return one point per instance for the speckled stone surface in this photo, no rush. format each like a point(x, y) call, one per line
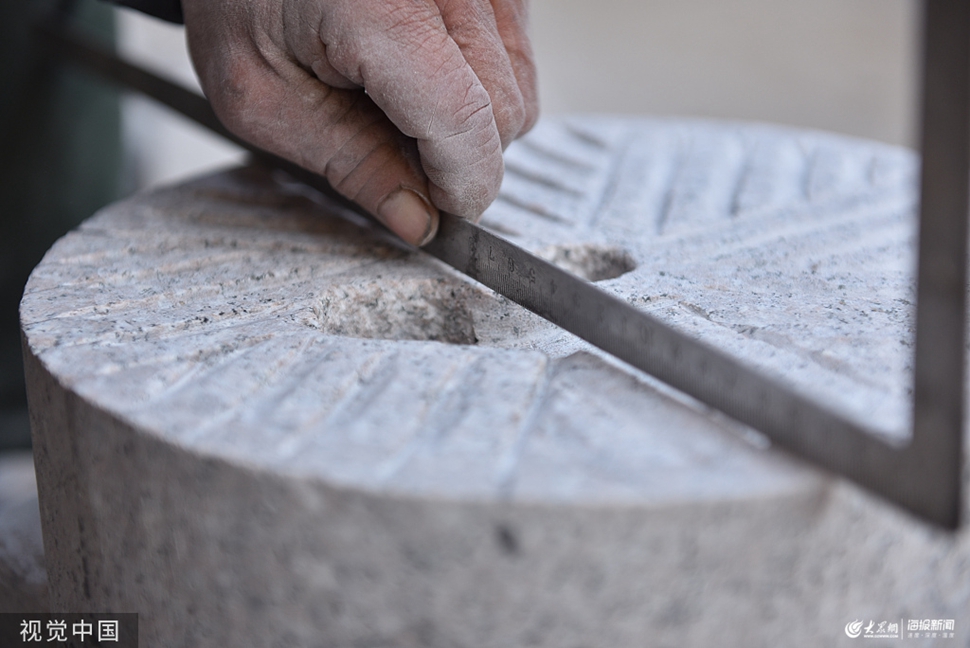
point(259, 425)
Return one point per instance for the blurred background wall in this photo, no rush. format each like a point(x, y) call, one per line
point(60, 155)
point(840, 65)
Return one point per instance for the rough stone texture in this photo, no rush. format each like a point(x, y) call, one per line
point(23, 579)
point(258, 425)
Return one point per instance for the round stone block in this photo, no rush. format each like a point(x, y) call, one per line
point(259, 424)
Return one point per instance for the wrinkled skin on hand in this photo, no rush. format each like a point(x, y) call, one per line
point(405, 106)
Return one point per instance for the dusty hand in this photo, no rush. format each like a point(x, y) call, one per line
point(404, 106)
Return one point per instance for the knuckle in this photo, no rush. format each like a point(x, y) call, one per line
point(344, 55)
point(473, 116)
point(239, 118)
point(236, 101)
point(469, 193)
point(510, 117)
point(531, 117)
point(357, 40)
point(412, 22)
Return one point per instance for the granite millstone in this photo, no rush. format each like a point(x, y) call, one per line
point(257, 424)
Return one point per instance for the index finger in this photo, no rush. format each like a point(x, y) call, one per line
point(401, 53)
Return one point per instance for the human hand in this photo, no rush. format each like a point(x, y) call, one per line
point(404, 106)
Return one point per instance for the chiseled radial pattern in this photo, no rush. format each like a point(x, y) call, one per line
point(238, 316)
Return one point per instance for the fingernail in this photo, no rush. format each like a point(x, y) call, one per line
point(409, 216)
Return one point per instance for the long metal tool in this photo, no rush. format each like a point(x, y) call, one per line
point(923, 475)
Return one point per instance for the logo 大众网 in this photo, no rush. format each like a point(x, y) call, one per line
point(853, 629)
point(873, 629)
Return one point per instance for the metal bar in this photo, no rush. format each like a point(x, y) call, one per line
point(939, 391)
point(789, 419)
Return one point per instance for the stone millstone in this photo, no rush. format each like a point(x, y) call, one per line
point(257, 424)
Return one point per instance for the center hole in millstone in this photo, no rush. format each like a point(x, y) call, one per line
point(398, 307)
point(590, 261)
point(401, 300)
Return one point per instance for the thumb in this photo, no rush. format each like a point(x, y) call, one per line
point(339, 134)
